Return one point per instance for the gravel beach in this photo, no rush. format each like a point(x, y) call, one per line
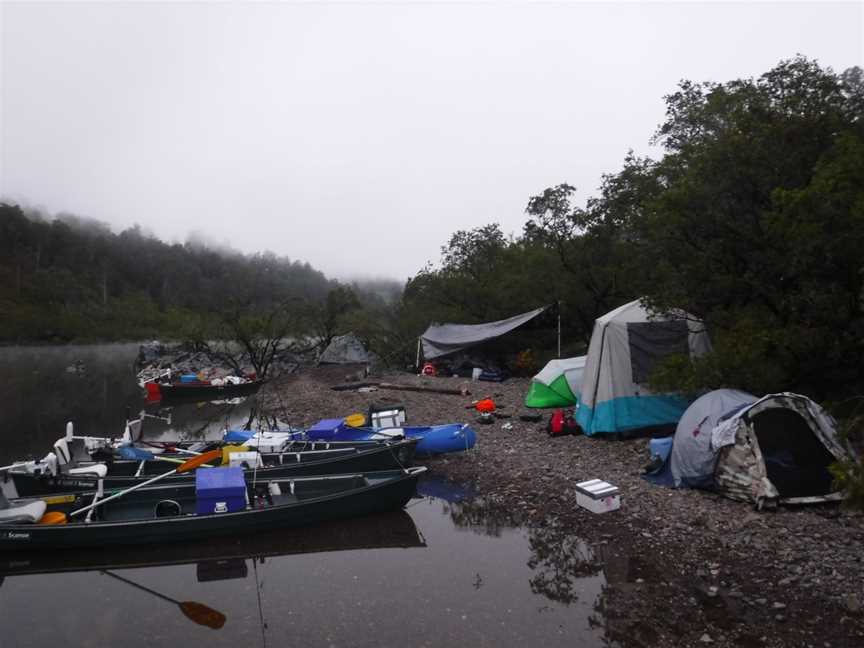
point(684, 567)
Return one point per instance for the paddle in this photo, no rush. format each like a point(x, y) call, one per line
point(197, 612)
point(186, 466)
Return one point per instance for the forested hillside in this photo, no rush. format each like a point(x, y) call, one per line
point(71, 278)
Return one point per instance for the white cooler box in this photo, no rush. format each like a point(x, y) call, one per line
point(598, 496)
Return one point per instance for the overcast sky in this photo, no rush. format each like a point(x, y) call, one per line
point(358, 136)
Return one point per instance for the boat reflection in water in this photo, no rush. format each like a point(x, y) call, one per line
point(378, 531)
point(220, 559)
point(436, 486)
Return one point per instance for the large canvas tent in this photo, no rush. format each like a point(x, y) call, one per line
point(626, 346)
point(773, 449)
point(443, 339)
point(558, 384)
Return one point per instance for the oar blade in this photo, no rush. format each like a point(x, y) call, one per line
point(195, 462)
point(203, 615)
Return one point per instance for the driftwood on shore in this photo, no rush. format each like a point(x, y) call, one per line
point(414, 388)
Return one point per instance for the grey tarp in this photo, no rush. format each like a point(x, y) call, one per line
point(345, 349)
point(443, 339)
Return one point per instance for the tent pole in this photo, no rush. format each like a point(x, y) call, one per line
point(559, 329)
point(418, 354)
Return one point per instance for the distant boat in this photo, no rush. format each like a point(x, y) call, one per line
point(170, 513)
point(204, 390)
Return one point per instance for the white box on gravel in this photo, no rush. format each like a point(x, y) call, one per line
point(598, 496)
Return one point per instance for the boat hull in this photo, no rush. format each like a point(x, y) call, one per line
point(432, 439)
point(288, 464)
point(378, 492)
point(393, 529)
point(189, 391)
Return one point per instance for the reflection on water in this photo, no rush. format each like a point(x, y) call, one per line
point(417, 577)
point(94, 386)
point(453, 569)
point(43, 387)
point(560, 561)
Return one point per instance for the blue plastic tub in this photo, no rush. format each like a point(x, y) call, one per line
point(219, 490)
point(660, 447)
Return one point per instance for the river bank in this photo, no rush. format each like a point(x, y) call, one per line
point(683, 567)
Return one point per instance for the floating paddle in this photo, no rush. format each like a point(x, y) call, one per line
point(186, 466)
point(197, 612)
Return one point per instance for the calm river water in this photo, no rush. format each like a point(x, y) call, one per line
point(449, 570)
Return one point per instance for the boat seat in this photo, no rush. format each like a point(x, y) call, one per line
point(72, 452)
point(95, 470)
point(29, 512)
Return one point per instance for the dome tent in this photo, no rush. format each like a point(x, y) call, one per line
point(557, 385)
point(692, 459)
point(777, 449)
point(345, 349)
point(626, 345)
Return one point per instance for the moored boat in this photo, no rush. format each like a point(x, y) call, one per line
point(123, 473)
point(392, 529)
point(204, 390)
point(174, 512)
point(433, 439)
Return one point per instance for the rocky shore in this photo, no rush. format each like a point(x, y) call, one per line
point(683, 567)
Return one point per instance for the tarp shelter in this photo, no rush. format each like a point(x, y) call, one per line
point(626, 346)
point(443, 339)
point(773, 449)
point(558, 384)
point(345, 349)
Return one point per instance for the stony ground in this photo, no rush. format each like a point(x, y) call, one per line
point(684, 568)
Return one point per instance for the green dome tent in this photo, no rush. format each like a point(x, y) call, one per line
point(557, 385)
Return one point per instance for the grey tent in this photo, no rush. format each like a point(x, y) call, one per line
point(443, 339)
point(774, 449)
point(345, 349)
point(693, 459)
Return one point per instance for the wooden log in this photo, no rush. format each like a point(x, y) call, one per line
point(354, 385)
point(432, 390)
